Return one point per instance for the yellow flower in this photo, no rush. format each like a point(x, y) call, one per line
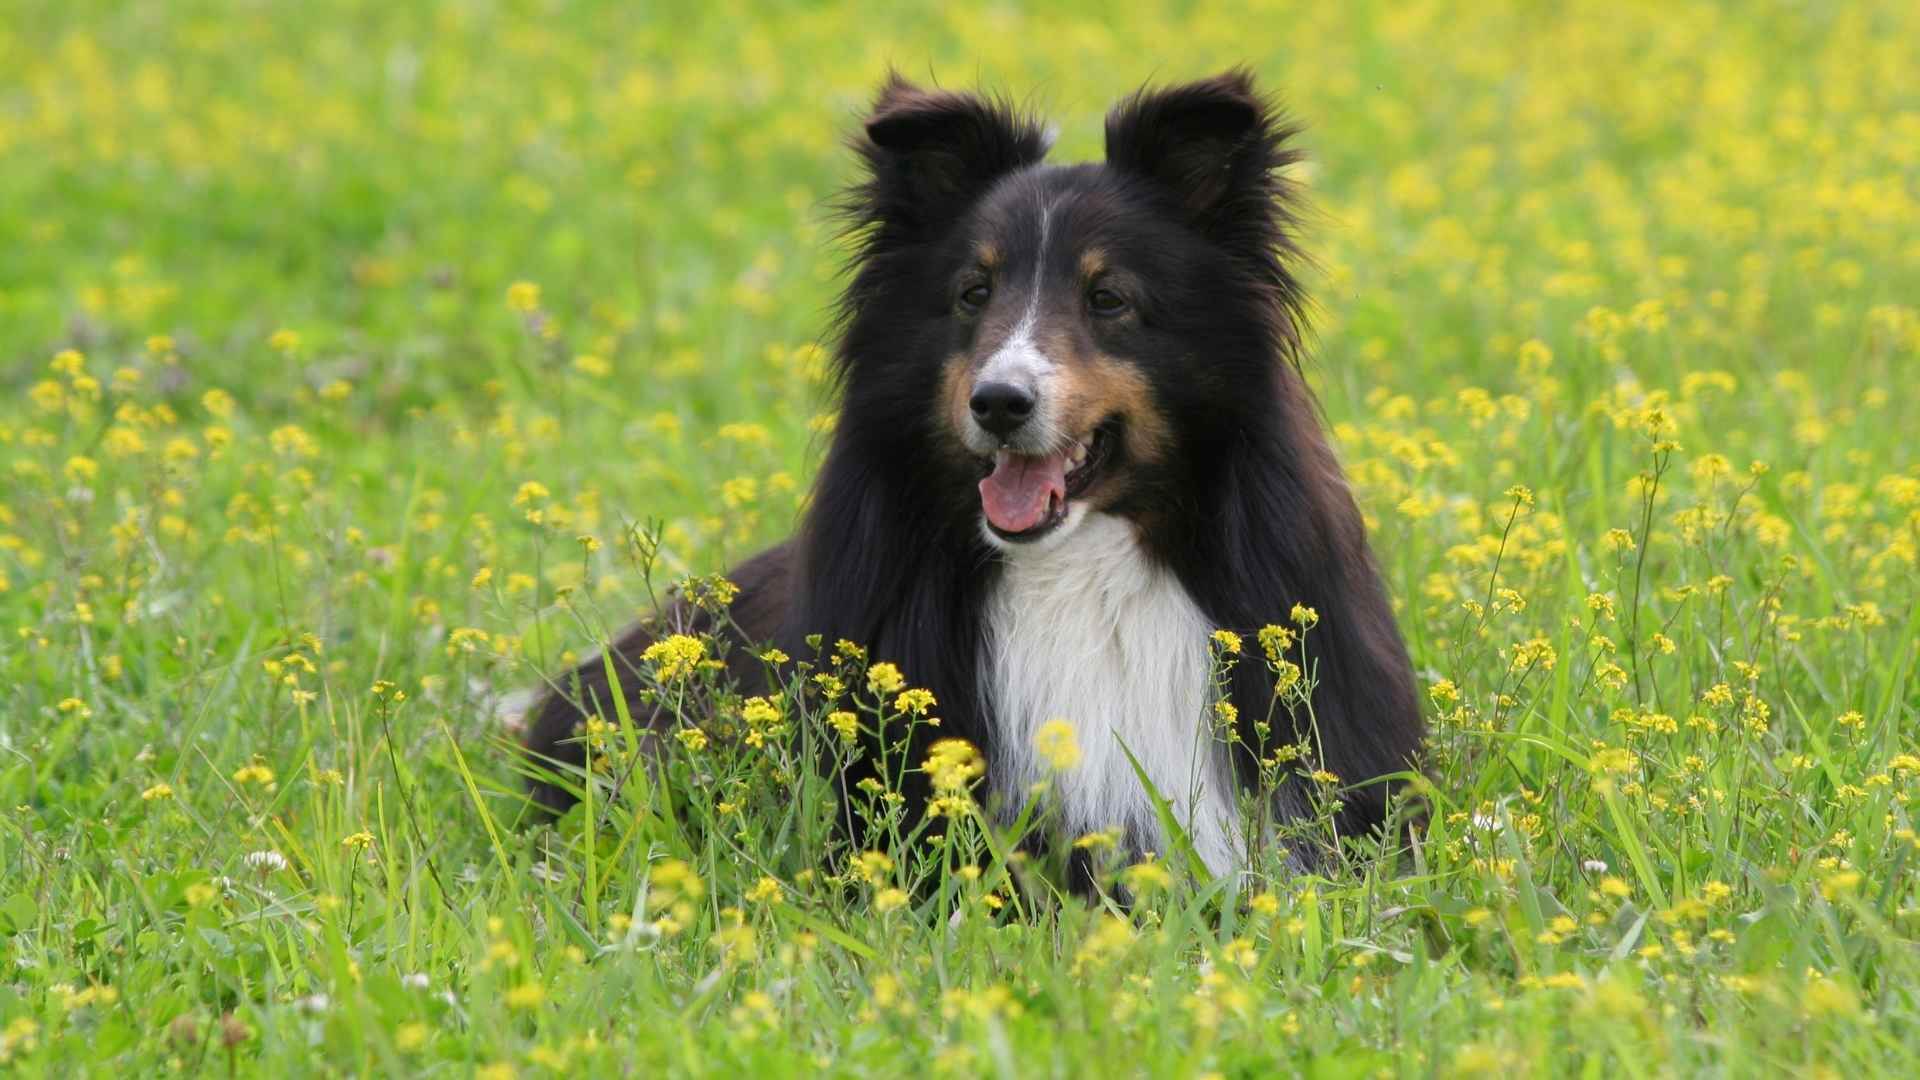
point(1613, 759)
point(673, 876)
point(1058, 744)
point(1304, 616)
point(292, 441)
point(885, 678)
point(873, 866)
point(1534, 357)
point(915, 702)
point(157, 791)
point(1226, 714)
point(1537, 652)
point(1275, 641)
point(675, 657)
point(523, 297)
point(1228, 641)
point(1240, 952)
point(889, 900)
point(255, 773)
point(359, 841)
point(1825, 997)
point(218, 403)
point(1840, 883)
point(1149, 876)
point(953, 764)
point(1098, 841)
point(284, 341)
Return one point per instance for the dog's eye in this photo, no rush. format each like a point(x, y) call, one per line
point(975, 297)
point(1106, 302)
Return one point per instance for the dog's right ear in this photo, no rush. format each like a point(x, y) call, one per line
point(930, 154)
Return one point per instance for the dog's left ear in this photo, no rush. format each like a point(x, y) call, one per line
point(1212, 145)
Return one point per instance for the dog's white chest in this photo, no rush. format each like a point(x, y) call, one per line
point(1090, 631)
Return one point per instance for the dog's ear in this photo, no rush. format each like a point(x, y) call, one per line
point(1214, 146)
point(931, 153)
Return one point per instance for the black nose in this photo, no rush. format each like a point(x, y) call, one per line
point(1001, 407)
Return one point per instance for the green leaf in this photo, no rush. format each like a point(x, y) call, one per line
point(1177, 838)
point(18, 913)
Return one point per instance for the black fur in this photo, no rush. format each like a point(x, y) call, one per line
point(1249, 507)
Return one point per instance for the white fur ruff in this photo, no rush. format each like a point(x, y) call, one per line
point(1083, 626)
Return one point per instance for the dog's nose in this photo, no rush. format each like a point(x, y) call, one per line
point(1001, 407)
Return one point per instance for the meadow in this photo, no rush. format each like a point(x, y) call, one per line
point(366, 362)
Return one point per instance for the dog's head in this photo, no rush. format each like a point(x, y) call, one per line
point(1080, 336)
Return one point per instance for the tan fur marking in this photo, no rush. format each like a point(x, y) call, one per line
point(1093, 262)
point(956, 386)
point(1124, 390)
point(1093, 387)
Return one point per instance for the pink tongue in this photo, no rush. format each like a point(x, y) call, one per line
point(1017, 494)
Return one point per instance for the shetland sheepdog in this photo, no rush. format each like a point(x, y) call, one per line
point(1073, 442)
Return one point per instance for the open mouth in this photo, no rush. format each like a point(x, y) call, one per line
point(1026, 496)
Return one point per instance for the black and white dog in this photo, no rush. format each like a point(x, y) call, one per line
point(1073, 442)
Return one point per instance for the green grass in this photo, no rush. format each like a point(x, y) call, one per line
point(1571, 250)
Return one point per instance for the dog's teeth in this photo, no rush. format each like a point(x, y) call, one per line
point(1079, 453)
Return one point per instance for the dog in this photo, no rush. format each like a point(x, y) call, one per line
point(1074, 441)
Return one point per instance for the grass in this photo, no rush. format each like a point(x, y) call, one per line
point(328, 330)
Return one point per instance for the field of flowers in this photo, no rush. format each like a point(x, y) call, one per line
point(365, 361)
